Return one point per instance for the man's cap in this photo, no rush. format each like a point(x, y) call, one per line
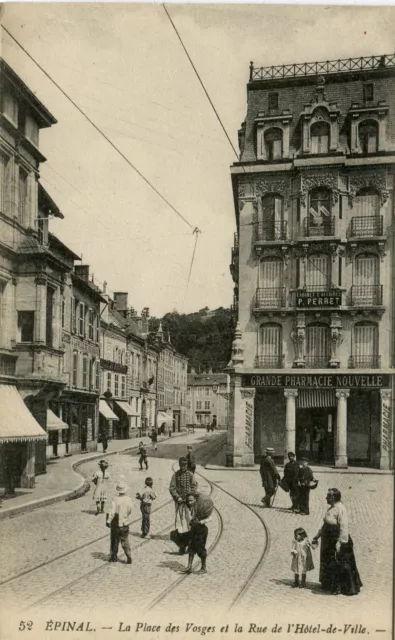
point(182, 459)
point(269, 450)
point(121, 487)
point(103, 463)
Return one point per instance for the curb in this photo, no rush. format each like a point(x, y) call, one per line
point(355, 471)
point(71, 494)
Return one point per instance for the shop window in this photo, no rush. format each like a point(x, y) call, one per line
point(26, 325)
point(319, 133)
point(368, 136)
point(273, 144)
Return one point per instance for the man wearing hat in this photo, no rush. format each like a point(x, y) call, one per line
point(191, 459)
point(291, 470)
point(270, 476)
point(305, 478)
point(118, 519)
point(182, 484)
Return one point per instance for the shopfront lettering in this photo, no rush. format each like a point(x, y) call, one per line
point(248, 431)
point(306, 381)
point(318, 298)
point(386, 416)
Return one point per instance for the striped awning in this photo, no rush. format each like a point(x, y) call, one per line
point(16, 422)
point(54, 423)
point(315, 398)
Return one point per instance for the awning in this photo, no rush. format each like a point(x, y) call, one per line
point(54, 423)
point(164, 417)
point(106, 411)
point(16, 422)
point(126, 408)
point(315, 398)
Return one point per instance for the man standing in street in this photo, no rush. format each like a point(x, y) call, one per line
point(291, 469)
point(305, 480)
point(182, 484)
point(118, 519)
point(200, 507)
point(270, 476)
point(191, 459)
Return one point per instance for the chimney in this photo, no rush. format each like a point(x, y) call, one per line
point(82, 271)
point(120, 300)
point(144, 320)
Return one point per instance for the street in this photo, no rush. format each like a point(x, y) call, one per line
point(60, 553)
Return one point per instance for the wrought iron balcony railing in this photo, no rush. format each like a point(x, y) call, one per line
point(386, 61)
point(364, 362)
point(321, 226)
point(270, 231)
point(269, 362)
point(366, 295)
point(317, 362)
point(363, 226)
point(273, 297)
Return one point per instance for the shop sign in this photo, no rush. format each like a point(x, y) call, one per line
point(332, 298)
point(305, 381)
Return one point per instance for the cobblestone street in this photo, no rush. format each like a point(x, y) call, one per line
point(249, 576)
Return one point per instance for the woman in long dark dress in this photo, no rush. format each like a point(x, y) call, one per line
point(338, 568)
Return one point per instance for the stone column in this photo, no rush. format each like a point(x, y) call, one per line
point(40, 316)
point(240, 440)
point(290, 425)
point(341, 428)
point(385, 429)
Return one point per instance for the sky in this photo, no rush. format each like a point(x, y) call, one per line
point(124, 66)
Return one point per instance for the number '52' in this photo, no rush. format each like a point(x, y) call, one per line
point(23, 626)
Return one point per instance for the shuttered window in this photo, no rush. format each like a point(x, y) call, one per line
point(317, 272)
point(274, 144)
point(367, 204)
point(365, 339)
point(317, 346)
point(319, 137)
point(366, 270)
point(271, 274)
point(368, 136)
point(270, 341)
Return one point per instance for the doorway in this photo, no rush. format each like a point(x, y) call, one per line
point(315, 430)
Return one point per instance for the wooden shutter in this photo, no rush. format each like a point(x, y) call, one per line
point(365, 270)
point(271, 274)
point(365, 340)
point(317, 341)
point(317, 272)
point(367, 205)
point(270, 341)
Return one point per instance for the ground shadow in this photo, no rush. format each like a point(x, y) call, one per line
point(92, 512)
point(100, 555)
point(173, 565)
point(17, 494)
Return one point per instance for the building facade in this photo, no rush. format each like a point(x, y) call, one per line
point(313, 261)
point(172, 384)
point(208, 399)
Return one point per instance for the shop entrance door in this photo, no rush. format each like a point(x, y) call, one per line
point(315, 429)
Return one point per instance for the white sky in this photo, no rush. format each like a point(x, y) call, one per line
point(123, 64)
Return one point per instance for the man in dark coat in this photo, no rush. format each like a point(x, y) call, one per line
point(291, 469)
point(191, 459)
point(270, 476)
point(305, 477)
point(200, 507)
point(182, 484)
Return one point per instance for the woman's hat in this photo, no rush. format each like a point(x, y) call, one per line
point(269, 450)
point(103, 463)
point(121, 487)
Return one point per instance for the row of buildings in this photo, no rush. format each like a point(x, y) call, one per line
point(313, 264)
point(76, 365)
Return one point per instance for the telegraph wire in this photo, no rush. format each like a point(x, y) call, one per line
point(125, 158)
point(196, 231)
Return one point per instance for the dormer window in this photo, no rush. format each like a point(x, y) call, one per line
point(368, 92)
point(274, 144)
point(273, 101)
point(368, 136)
point(319, 133)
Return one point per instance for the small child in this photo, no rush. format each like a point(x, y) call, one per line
point(146, 498)
point(302, 558)
point(143, 456)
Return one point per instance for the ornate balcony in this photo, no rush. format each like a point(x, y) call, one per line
point(317, 362)
point(270, 297)
point(269, 362)
point(366, 295)
point(364, 362)
point(270, 232)
point(320, 227)
point(366, 226)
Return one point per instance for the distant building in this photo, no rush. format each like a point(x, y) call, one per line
point(172, 385)
point(208, 399)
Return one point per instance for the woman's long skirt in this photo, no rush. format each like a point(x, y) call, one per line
point(338, 571)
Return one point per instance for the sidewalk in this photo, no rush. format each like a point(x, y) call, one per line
point(62, 480)
point(315, 469)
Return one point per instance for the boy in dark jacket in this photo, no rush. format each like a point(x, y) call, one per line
point(270, 476)
point(143, 456)
point(305, 477)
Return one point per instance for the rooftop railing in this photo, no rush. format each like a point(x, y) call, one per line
point(346, 65)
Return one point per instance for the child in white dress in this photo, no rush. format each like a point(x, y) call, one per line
point(302, 557)
point(101, 480)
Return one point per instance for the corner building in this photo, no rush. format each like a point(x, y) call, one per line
point(313, 265)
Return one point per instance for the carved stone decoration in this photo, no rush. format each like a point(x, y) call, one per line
point(238, 349)
point(316, 247)
point(274, 185)
point(336, 339)
point(247, 394)
point(310, 181)
point(342, 393)
point(374, 180)
point(285, 254)
point(41, 279)
point(271, 252)
point(298, 338)
point(242, 189)
point(241, 204)
point(375, 247)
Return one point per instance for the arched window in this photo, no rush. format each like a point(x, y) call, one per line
point(368, 136)
point(319, 221)
point(273, 143)
point(318, 272)
point(269, 346)
point(319, 133)
point(318, 351)
point(271, 226)
point(365, 346)
point(366, 221)
point(366, 289)
point(271, 283)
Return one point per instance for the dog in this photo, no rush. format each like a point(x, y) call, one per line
point(181, 540)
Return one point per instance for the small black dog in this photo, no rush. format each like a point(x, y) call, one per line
point(181, 540)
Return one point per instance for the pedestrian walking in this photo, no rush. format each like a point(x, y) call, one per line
point(182, 484)
point(146, 497)
point(306, 482)
point(143, 459)
point(290, 480)
point(119, 519)
point(101, 480)
point(191, 459)
point(84, 438)
point(302, 557)
point(154, 439)
point(200, 507)
point(269, 475)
